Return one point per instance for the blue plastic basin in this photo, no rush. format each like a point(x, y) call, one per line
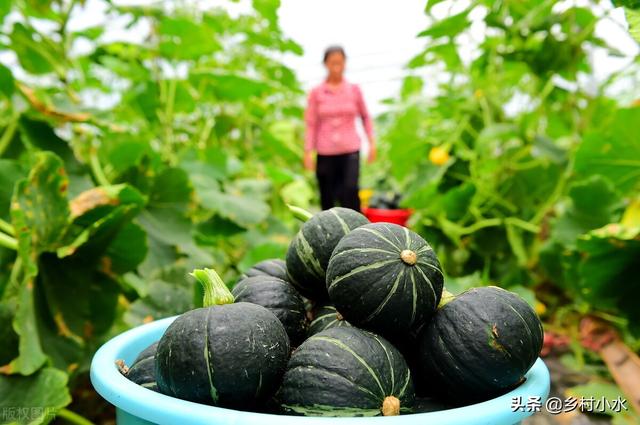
point(136, 405)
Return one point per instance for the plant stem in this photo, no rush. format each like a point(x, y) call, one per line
point(7, 136)
point(8, 242)
point(97, 170)
point(73, 417)
point(7, 227)
point(215, 291)
point(300, 213)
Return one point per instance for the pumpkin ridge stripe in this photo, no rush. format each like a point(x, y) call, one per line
point(433, 290)
point(391, 231)
point(212, 389)
point(424, 248)
point(386, 299)
point(307, 253)
point(406, 384)
point(408, 237)
point(330, 323)
point(259, 384)
point(386, 352)
point(148, 384)
point(351, 250)
point(330, 372)
point(414, 295)
point(381, 236)
point(424, 263)
point(359, 269)
point(282, 267)
point(348, 349)
point(343, 224)
point(526, 324)
point(324, 316)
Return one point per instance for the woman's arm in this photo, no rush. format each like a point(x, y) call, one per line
point(367, 122)
point(311, 130)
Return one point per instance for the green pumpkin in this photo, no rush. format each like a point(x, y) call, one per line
point(346, 371)
point(143, 368)
point(326, 317)
point(309, 252)
point(228, 355)
point(479, 345)
point(279, 297)
point(385, 278)
point(274, 267)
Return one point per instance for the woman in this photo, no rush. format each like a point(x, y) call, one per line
point(330, 117)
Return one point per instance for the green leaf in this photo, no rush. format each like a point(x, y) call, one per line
point(298, 193)
point(7, 85)
point(450, 26)
point(613, 151)
point(5, 8)
point(183, 38)
point(604, 393)
point(243, 210)
point(215, 229)
point(262, 252)
point(633, 19)
point(411, 85)
point(268, 9)
point(224, 86)
point(431, 3)
point(37, 54)
point(39, 395)
point(165, 299)
point(608, 266)
point(10, 173)
point(39, 209)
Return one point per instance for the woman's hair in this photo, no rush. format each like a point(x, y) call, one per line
point(333, 49)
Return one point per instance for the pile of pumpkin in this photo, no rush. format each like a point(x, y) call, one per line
point(356, 322)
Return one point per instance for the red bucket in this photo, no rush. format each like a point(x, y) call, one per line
point(376, 215)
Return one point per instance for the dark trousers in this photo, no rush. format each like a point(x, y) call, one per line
point(338, 180)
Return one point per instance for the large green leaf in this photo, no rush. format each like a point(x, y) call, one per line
point(224, 86)
point(633, 18)
point(450, 26)
point(164, 299)
point(609, 264)
point(243, 210)
point(613, 151)
point(183, 38)
point(34, 399)
point(268, 9)
point(7, 85)
point(37, 54)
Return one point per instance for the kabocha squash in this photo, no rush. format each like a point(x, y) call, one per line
point(279, 297)
point(228, 355)
point(143, 368)
point(479, 345)
point(385, 278)
point(346, 371)
point(326, 317)
point(274, 267)
point(309, 252)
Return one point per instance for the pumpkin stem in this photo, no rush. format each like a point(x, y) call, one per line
point(409, 257)
point(339, 316)
point(445, 298)
point(215, 291)
point(300, 213)
point(390, 406)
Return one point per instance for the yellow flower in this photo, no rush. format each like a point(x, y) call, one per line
point(540, 308)
point(438, 155)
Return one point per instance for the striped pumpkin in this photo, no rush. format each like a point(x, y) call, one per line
point(384, 277)
point(326, 317)
point(274, 267)
point(309, 252)
point(346, 371)
point(143, 369)
point(479, 345)
point(279, 297)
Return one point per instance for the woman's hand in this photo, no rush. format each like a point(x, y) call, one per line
point(309, 162)
point(373, 153)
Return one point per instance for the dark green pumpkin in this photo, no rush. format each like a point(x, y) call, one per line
point(228, 355)
point(143, 368)
point(326, 317)
point(479, 345)
point(384, 277)
point(346, 371)
point(274, 267)
point(279, 297)
point(309, 252)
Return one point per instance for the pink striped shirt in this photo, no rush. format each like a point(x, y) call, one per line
point(330, 119)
